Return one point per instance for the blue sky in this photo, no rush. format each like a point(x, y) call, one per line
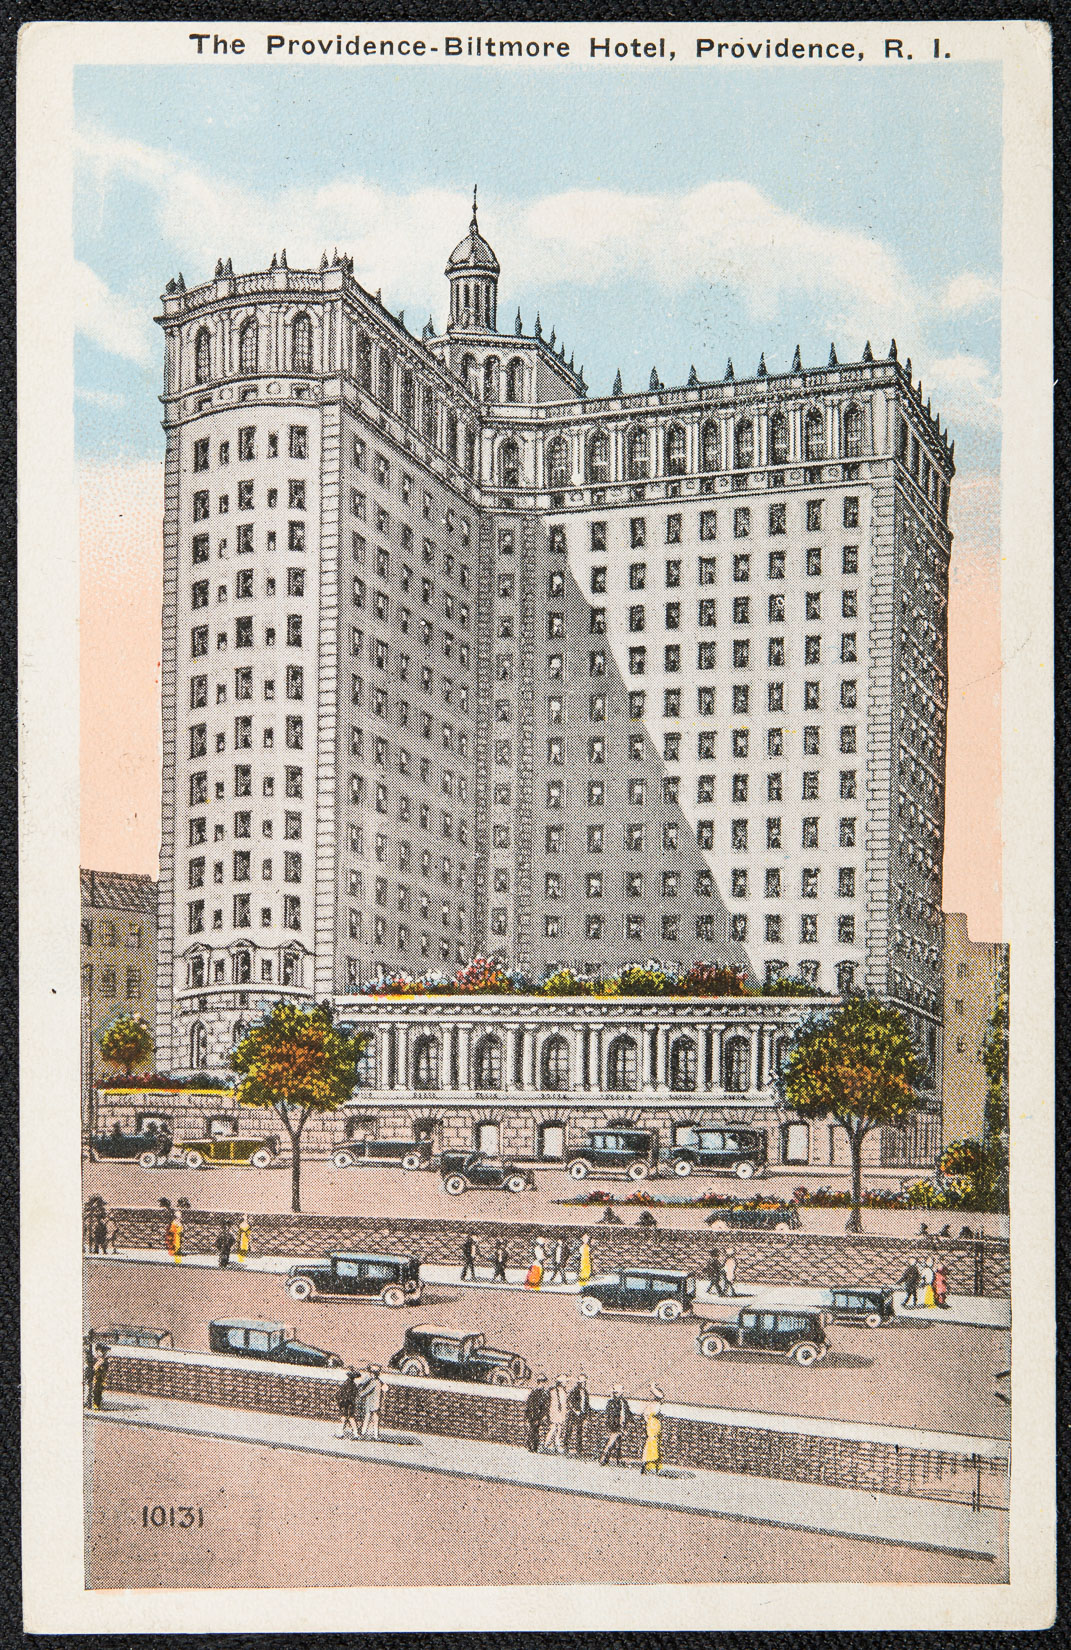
point(655, 218)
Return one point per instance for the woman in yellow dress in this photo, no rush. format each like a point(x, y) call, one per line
point(243, 1239)
point(584, 1265)
point(174, 1238)
point(651, 1459)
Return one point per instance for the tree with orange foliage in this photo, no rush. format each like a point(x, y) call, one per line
point(297, 1063)
point(857, 1066)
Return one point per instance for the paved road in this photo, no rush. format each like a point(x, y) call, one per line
point(911, 1373)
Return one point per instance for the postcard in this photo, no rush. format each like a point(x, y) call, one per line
point(536, 825)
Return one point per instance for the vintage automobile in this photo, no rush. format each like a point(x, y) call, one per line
point(257, 1151)
point(652, 1291)
point(781, 1331)
point(462, 1171)
point(741, 1152)
point(863, 1305)
point(125, 1334)
point(254, 1338)
point(392, 1279)
point(778, 1217)
point(429, 1350)
point(411, 1154)
point(149, 1146)
point(632, 1152)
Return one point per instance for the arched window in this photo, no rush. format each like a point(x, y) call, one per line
point(845, 978)
point(509, 465)
point(814, 436)
point(676, 451)
point(451, 436)
point(637, 461)
point(708, 445)
point(558, 462)
point(242, 967)
point(426, 1063)
point(195, 971)
point(622, 1064)
point(429, 417)
point(683, 1065)
point(781, 1048)
point(853, 433)
point(778, 439)
point(470, 452)
point(238, 1032)
point(408, 399)
point(515, 380)
point(745, 444)
point(363, 361)
point(488, 1067)
point(490, 378)
point(247, 346)
point(469, 375)
point(202, 357)
point(364, 1074)
point(598, 465)
point(198, 1046)
point(554, 1064)
point(737, 1065)
point(301, 344)
point(386, 378)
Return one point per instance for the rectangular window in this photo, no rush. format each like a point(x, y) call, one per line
point(773, 832)
point(850, 559)
point(742, 522)
point(848, 653)
point(847, 833)
point(848, 695)
point(708, 611)
point(293, 630)
point(637, 575)
point(741, 569)
point(777, 519)
point(847, 783)
point(291, 911)
point(741, 654)
point(738, 833)
point(637, 661)
point(704, 700)
point(814, 562)
point(637, 529)
point(241, 910)
point(672, 659)
point(708, 524)
point(673, 575)
point(808, 930)
point(673, 529)
point(846, 882)
point(851, 513)
point(847, 740)
point(199, 641)
point(814, 515)
point(200, 506)
point(707, 655)
point(200, 547)
point(598, 537)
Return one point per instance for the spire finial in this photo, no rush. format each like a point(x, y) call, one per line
point(474, 203)
point(617, 390)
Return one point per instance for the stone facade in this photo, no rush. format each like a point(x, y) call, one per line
point(118, 961)
point(974, 970)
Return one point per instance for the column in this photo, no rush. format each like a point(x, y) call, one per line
point(517, 1060)
point(577, 1062)
point(404, 1049)
point(753, 1034)
point(649, 1072)
point(381, 1031)
point(598, 1082)
point(718, 1035)
point(464, 1037)
point(665, 1038)
point(708, 1059)
point(533, 1081)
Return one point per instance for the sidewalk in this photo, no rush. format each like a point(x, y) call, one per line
point(984, 1311)
point(931, 1525)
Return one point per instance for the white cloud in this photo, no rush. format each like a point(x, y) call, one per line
point(115, 323)
point(965, 390)
point(970, 291)
point(100, 398)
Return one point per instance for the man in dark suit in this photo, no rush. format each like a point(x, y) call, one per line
point(537, 1413)
point(500, 1259)
point(468, 1258)
point(617, 1416)
point(577, 1410)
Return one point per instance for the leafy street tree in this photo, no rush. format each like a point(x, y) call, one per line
point(295, 1062)
point(993, 1173)
point(127, 1042)
point(858, 1067)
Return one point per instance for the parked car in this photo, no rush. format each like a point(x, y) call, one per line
point(870, 1306)
point(632, 1152)
point(411, 1154)
point(429, 1350)
point(125, 1334)
point(254, 1338)
point(653, 1291)
point(392, 1279)
point(149, 1146)
point(781, 1217)
point(462, 1171)
point(259, 1151)
point(741, 1152)
point(786, 1333)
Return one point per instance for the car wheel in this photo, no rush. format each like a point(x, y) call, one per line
point(412, 1160)
point(393, 1296)
point(412, 1366)
point(682, 1167)
point(873, 1320)
point(147, 1160)
point(518, 1368)
point(343, 1160)
point(719, 1226)
point(333, 1362)
point(638, 1170)
point(261, 1159)
point(589, 1306)
point(299, 1289)
point(500, 1377)
point(805, 1354)
point(194, 1160)
point(667, 1311)
point(781, 1226)
point(579, 1169)
point(711, 1346)
point(516, 1183)
point(744, 1170)
point(454, 1184)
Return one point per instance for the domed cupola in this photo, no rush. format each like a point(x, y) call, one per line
point(473, 270)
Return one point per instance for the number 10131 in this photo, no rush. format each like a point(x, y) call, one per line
point(172, 1518)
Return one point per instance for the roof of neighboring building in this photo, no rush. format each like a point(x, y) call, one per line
point(118, 891)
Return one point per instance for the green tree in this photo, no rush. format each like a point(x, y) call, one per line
point(858, 1067)
point(295, 1062)
point(993, 1172)
point(127, 1042)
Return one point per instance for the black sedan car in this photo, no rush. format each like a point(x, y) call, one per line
point(652, 1292)
point(429, 1350)
point(392, 1279)
point(870, 1306)
point(462, 1171)
point(149, 1146)
point(782, 1332)
point(254, 1338)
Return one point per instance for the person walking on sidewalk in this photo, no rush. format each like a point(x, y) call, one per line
point(468, 1259)
point(909, 1283)
point(99, 1246)
point(101, 1369)
point(89, 1351)
point(371, 1390)
point(535, 1271)
point(174, 1237)
point(558, 1257)
point(926, 1281)
point(111, 1231)
point(244, 1235)
point(583, 1265)
point(224, 1244)
point(347, 1404)
point(536, 1411)
point(713, 1270)
point(557, 1409)
point(728, 1274)
point(651, 1456)
point(578, 1408)
point(499, 1261)
point(617, 1416)
point(940, 1288)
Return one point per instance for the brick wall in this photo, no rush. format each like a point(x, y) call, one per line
point(975, 1266)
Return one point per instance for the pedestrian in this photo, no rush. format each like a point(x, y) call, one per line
point(100, 1233)
point(535, 1271)
point(110, 1233)
point(224, 1244)
point(609, 1218)
point(558, 1257)
point(578, 1408)
point(946, 1230)
point(372, 1394)
point(713, 1270)
point(89, 1353)
point(557, 1410)
point(244, 1235)
point(347, 1404)
point(965, 1232)
point(499, 1261)
point(468, 1258)
point(728, 1274)
point(646, 1218)
point(617, 1416)
point(536, 1411)
point(174, 1238)
point(924, 1230)
point(909, 1283)
point(583, 1268)
point(101, 1368)
point(940, 1288)
point(926, 1280)
point(651, 1457)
